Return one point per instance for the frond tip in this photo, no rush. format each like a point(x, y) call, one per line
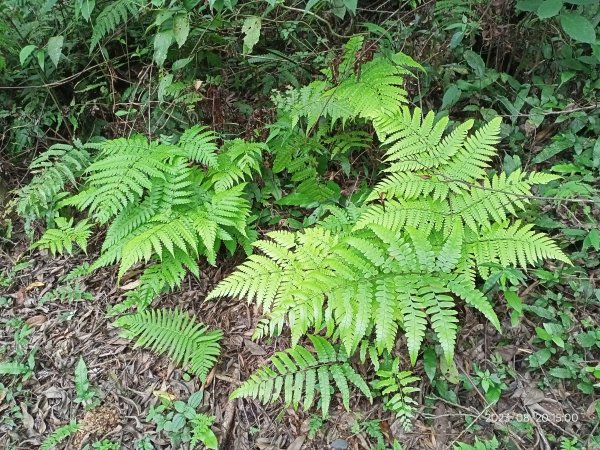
point(175, 333)
point(61, 239)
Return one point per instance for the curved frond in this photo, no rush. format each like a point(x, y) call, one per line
point(176, 334)
point(297, 373)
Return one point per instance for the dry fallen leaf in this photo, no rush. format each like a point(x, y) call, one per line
point(297, 444)
point(254, 348)
point(164, 395)
point(27, 419)
point(34, 321)
point(131, 285)
point(35, 284)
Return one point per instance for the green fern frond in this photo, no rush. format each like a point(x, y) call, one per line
point(462, 288)
point(412, 140)
point(53, 171)
point(444, 322)
point(198, 144)
point(512, 245)
point(60, 240)
point(229, 208)
point(132, 217)
point(310, 193)
point(202, 432)
point(121, 176)
point(175, 333)
point(156, 279)
point(112, 16)
point(345, 142)
point(395, 387)
point(238, 162)
point(311, 103)
point(385, 324)
point(473, 158)
point(451, 251)
point(161, 236)
point(257, 280)
point(480, 206)
point(423, 161)
point(59, 435)
point(160, 205)
point(297, 374)
point(377, 89)
point(423, 214)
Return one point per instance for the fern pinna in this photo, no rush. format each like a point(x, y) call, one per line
point(175, 333)
point(402, 266)
point(165, 205)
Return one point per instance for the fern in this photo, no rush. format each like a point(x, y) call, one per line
point(297, 375)
point(298, 155)
point(54, 170)
point(395, 387)
point(376, 90)
point(59, 435)
point(112, 16)
point(166, 205)
point(202, 432)
point(72, 293)
point(346, 142)
point(121, 176)
point(401, 267)
point(512, 245)
point(175, 333)
point(61, 239)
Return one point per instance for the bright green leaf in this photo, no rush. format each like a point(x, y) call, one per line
point(430, 363)
point(180, 63)
point(25, 52)
point(451, 96)
point(55, 45)
point(86, 7)
point(539, 358)
point(41, 58)
point(251, 29)
point(190, 4)
point(181, 28)
point(351, 6)
point(549, 8)
point(578, 27)
point(475, 61)
point(514, 301)
point(561, 372)
point(162, 42)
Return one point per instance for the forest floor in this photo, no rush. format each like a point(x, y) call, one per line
point(130, 380)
